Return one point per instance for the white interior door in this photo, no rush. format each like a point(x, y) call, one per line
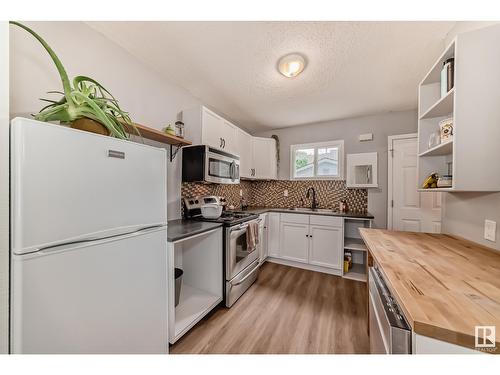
point(410, 210)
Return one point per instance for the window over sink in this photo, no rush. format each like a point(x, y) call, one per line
point(317, 161)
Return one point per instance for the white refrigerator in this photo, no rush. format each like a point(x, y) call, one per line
point(88, 242)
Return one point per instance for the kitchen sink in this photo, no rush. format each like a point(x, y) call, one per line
point(307, 209)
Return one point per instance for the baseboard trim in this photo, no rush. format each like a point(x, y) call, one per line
point(304, 266)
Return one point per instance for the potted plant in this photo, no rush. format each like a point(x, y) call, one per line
point(85, 105)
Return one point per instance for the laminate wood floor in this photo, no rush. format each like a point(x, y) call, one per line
point(288, 310)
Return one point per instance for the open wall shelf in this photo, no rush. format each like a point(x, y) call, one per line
point(443, 106)
point(472, 103)
point(445, 148)
point(354, 244)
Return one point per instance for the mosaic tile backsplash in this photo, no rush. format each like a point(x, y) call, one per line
point(270, 193)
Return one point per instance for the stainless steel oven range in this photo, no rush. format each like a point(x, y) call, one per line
point(241, 263)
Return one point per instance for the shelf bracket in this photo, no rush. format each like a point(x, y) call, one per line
point(173, 152)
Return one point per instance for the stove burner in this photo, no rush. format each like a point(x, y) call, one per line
point(234, 215)
point(230, 217)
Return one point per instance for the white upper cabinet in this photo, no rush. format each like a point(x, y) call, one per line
point(245, 149)
point(229, 138)
point(212, 128)
point(217, 132)
point(264, 158)
point(469, 113)
point(362, 170)
point(257, 155)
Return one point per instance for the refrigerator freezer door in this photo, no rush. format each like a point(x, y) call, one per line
point(69, 185)
point(108, 296)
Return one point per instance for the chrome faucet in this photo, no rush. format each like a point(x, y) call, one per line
point(314, 202)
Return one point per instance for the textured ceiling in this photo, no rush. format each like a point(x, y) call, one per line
point(354, 68)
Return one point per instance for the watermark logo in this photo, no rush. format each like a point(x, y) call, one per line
point(485, 337)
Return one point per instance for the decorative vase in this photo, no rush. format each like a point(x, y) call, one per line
point(90, 125)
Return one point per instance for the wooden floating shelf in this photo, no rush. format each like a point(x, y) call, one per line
point(157, 135)
point(441, 149)
point(443, 107)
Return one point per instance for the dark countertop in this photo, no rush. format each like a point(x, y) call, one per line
point(180, 229)
point(359, 215)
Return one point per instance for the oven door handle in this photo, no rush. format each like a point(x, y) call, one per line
point(247, 276)
point(245, 226)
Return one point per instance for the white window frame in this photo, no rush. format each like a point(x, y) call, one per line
point(335, 143)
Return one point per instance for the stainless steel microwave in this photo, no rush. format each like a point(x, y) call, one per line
point(201, 163)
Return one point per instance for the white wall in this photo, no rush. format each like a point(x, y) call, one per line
point(150, 99)
point(464, 26)
point(464, 213)
point(4, 187)
point(381, 125)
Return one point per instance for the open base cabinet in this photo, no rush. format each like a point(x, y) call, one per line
point(354, 245)
point(200, 259)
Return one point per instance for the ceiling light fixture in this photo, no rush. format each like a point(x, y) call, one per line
point(291, 65)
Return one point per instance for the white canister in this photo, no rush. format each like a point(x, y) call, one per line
point(211, 210)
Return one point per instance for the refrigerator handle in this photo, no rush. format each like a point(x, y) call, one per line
point(94, 241)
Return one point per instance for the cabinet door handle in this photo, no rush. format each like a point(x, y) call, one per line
point(223, 143)
point(220, 142)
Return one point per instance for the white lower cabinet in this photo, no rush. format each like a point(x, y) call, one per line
point(314, 241)
point(428, 345)
point(294, 241)
point(325, 246)
point(273, 234)
point(263, 248)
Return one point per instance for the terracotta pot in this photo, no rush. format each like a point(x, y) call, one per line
point(90, 125)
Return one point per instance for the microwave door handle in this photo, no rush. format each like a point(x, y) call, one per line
point(233, 171)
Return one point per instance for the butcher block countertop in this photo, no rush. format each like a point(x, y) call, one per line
point(445, 285)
